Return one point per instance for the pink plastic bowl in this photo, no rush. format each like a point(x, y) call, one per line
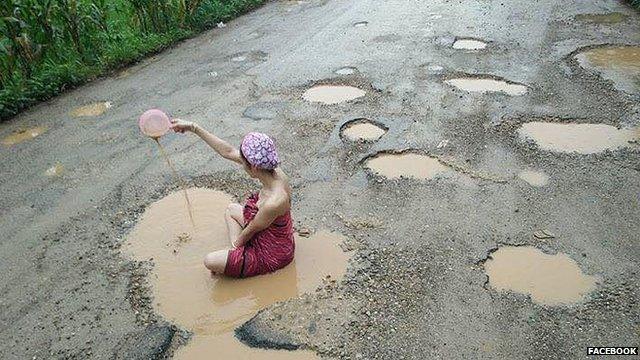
point(154, 123)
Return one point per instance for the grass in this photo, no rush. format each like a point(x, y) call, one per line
point(47, 46)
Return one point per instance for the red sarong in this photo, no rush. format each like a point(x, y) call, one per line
point(269, 250)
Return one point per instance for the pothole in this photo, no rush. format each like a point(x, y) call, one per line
point(534, 178)
point(264, 110)
point(469, 44)
point(332, 94)
point(548, 279)
point(95, 109)
point(406, 165)
point(579, 138)
point(362, 130)
point(346, 70)
point(212, 307)
point(620, 64)
point(22, 135)
point(361, 24)
point(608, 18)
point(486, 84)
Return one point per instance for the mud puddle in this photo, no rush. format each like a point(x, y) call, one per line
point(484, 85)
point(332, 94)
point(548, 279)
point(94, 109)
point(406, 165)
point(615, 57)
point(469, 44)
point(23, 135)
point(620, 64)
point(608, 18)
point(534, 178)
point(212, 307)
point(362, 130)
point(579, 138)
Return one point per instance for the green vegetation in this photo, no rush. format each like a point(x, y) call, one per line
point(49, 45)
point(636, 3)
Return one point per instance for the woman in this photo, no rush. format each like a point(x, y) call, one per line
point(261, 231)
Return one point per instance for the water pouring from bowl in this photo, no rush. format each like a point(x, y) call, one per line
point(155, 123)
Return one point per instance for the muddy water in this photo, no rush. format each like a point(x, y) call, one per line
point(212, 307)
point(620, 64)
point(549, 279)
point(94, 109)
point(534, 178)
point(580, 138)
point(406, 165)
point(469, 44)
point(488, 85)
point(332, 94)
point(23, 135)
point(363, 131)
point(620, 57)
point(608, 18)
point(178, 178)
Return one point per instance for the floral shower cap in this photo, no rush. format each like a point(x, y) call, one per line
point(260, 151)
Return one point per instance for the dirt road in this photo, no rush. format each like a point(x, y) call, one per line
point(523, 133)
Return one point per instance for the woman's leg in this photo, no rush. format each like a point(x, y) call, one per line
point(235, 221)
point(216, 261)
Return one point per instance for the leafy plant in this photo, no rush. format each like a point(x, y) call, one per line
point(47, 46)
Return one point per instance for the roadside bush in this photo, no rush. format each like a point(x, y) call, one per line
point(47, 46)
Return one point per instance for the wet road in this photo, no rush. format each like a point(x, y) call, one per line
point(416, 287)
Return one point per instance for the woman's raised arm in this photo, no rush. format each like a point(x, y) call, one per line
point(222, 147)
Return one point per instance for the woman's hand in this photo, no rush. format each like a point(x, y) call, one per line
point(180, 126)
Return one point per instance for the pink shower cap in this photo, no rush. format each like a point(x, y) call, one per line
point(260, 151)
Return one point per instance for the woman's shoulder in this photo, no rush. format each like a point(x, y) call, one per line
point(280, 200)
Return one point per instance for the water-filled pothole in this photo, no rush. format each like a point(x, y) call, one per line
point(484, 85)
point(212, 307)
point(22, 135)
point(332, 94)
point(94, 109)
point(362, 130)
point(534, 178)
point(579, 138)
point(608, 18)
point(469, 44)
point(406, 165)
point(548, 279)
point(620, 64)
